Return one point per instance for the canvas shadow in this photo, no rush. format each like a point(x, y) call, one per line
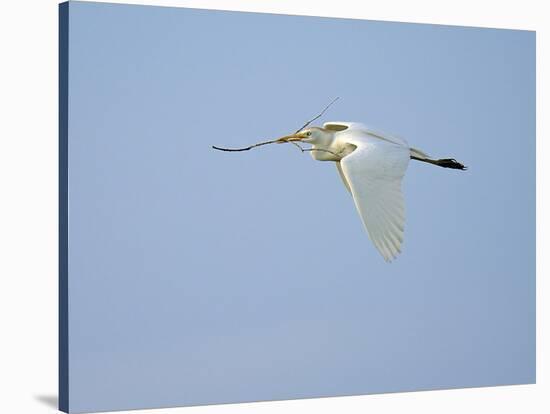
point(48, 400)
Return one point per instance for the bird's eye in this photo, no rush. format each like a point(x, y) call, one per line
point(308, 133)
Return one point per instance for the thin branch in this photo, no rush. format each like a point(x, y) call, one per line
point(319, 149)
point(296, 145)
point(318, 116)
point(282, 141)
point(312, 149)
point(274, 141)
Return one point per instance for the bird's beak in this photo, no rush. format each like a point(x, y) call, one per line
point(294, 137)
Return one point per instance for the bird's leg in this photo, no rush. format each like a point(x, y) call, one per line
point(444, 162)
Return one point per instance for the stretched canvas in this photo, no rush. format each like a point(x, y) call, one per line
point(191, 275)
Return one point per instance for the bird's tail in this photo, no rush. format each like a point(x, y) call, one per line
point(443, 162)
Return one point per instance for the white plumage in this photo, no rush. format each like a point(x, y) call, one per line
point(373, 172)
point(372, 165)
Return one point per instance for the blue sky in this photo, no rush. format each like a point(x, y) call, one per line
point(204, 277)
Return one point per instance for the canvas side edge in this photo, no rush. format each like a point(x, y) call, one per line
point(63, 385)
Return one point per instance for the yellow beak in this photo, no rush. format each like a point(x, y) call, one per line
point(294, 137)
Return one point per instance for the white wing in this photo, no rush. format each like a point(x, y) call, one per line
point(342, 175)
point(357, 126)
point(374, 172)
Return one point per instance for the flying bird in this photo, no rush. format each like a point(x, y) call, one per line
point(371, 165)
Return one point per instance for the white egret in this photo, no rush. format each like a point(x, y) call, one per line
point(371, 165)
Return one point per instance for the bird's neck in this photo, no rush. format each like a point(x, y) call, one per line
point(324, 153)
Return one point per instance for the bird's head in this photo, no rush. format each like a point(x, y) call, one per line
point(312, 135)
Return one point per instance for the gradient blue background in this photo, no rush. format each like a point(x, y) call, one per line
point(197, 276)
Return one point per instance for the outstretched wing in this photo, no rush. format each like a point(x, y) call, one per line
point(342, 176)
point(374, 172)
point(365, 129)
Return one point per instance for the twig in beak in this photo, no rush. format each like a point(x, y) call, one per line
point(287, 139)
point(274, 141)
point(318, 116)
point(259, 144)
point(312, 149)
